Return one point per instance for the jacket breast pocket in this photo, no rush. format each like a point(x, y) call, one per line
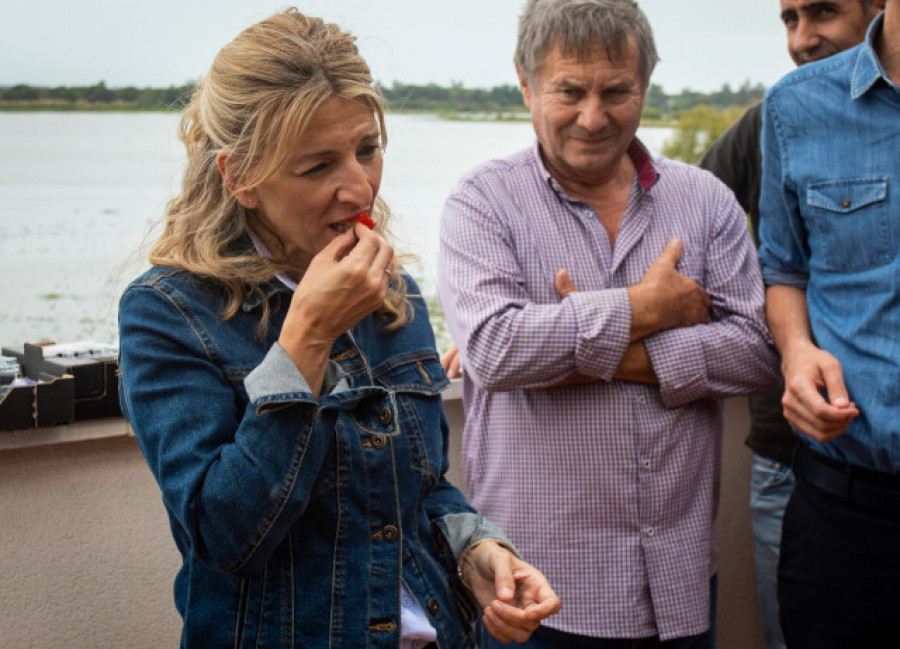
point(416, 380)
point(851, 219)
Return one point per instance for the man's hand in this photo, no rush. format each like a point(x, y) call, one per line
point(808, 370)
point(666, 299)
point(635, 363)
point(450, 362)
point(514, 595)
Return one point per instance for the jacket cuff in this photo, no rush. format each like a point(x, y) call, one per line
point(466, 529)
point(276, 381)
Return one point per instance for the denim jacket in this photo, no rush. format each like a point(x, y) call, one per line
point(297, 517)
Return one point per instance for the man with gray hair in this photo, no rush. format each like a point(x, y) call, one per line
point(594, 420)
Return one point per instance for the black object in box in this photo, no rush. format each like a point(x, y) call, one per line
point(96, 384)
point(47, 403)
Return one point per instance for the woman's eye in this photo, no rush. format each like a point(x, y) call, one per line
point(368, 151)
point(314, 170)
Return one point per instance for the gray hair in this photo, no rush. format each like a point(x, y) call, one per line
point(577, 25)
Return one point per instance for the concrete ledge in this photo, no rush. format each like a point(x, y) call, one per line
point(78, 431)
point(88, 557)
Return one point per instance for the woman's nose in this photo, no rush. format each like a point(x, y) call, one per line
point(356, 186)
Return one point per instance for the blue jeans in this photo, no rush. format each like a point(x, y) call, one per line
point(771, 485)
point(547, 638)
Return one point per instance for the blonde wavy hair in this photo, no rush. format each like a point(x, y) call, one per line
point(254, 103)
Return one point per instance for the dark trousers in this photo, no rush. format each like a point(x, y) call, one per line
point(839, 572)
point(547, 638)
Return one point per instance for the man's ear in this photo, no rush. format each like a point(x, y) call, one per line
point(247, 198)
point(524, 86)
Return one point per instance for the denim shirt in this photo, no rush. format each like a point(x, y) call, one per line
point(296, 516)
point(830, 225)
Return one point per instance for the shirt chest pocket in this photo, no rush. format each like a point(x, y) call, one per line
point(851, 220)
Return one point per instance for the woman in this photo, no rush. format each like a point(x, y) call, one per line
point(280, 375)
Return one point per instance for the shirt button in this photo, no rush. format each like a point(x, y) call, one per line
point(646, 464)
point(642, 400)
point(385, 416)
point(433, 606)
point(379, 441)
point(845, 202)
point(390, 533)
point(650, 531)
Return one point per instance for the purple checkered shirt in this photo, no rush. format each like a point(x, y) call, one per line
point(610, 488)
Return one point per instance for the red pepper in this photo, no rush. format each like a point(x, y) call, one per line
point(365, 220)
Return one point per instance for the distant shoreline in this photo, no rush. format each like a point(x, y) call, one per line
point(456, 102)
point(460, 116)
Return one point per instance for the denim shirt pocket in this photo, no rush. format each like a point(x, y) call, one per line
point(851, 219)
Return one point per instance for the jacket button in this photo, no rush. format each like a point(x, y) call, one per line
point(433, 606)
point(379, 441)
point(390, 533)
point(385, 416)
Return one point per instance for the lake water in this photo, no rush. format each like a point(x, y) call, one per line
point(79, 193)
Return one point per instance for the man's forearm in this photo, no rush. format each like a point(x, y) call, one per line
point(635, 366)
point(788, 317)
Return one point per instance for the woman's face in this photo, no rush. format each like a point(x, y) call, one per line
point(331, 175)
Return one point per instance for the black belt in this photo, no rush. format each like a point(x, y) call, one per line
point(850, 484)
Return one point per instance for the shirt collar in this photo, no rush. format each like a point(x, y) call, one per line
point(868, 68)
point(270, 288)
point(264, 252)
point(647, 173)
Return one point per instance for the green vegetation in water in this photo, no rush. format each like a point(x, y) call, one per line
point(696, 129)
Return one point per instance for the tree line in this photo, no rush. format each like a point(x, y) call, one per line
point(98, 96)
point(399, 97)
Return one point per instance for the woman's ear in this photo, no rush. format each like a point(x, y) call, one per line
point(247, 198)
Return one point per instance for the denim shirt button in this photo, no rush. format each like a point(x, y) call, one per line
point(433, 606)
point(385, 416)
point(379, 441)
point(390, 533)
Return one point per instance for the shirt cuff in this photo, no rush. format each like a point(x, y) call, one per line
point(772, 277)
point(678, 359)
point(603, 322)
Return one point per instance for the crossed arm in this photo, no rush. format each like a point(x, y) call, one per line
point(663, 299)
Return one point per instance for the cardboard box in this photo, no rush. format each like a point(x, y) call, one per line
point(96, 388)
point(50, 402)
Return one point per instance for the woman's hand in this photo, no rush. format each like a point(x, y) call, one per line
point(343, 284)
point(514, 595)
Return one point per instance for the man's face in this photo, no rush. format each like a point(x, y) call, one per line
point(585, 112)
point(817, 29)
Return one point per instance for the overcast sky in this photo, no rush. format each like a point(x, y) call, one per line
point(702, 43)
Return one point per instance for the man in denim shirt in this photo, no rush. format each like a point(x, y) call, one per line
point(815, 31)
point(830, 234)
